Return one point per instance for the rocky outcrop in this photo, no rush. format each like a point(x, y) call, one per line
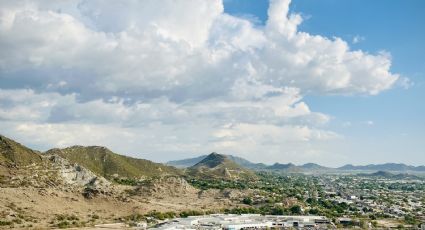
point(74, 174)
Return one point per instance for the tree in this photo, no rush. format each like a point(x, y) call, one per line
point(296, 209)
point(313, 211)
point(247, 201)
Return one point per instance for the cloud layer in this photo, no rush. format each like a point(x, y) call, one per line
point(167, 77)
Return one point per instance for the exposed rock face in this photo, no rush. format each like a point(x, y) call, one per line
point(75, 174)
point(103, 162)
point(227, 173)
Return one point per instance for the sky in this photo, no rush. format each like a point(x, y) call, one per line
point(330, 82)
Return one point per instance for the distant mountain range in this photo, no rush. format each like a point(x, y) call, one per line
point(309, 167)
point(388, 175)
point(384, 167)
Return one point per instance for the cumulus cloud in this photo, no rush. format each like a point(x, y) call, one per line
point(156, 48)
point(179, 76)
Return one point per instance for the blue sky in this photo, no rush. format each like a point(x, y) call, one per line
point(331, 82)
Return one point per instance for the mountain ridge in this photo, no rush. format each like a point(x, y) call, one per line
point(383, 167)
point(290, 167)
point(389, 175)
point(108, 164)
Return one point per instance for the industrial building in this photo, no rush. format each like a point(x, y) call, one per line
point(244, 221)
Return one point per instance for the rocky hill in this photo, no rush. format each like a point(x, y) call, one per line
point(219, 166)
point(108, 164)
point(65, 188)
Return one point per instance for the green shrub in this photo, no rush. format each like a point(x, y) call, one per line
point(190, 213)
point(247, 201)
point(5, 223)
point(296, 209)
point(63, 224)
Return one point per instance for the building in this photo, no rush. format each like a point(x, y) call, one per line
point(245, 221)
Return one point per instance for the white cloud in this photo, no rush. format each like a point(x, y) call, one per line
point(164, 48)
point(178, 76)
point(162, 127)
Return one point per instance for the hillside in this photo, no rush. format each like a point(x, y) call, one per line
point(12, 152)
point(219, 166)
point(106, 163)
point(65, 188)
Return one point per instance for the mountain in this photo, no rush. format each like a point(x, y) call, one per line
point(313, 167)
point(383, 167)
point(185, 163)
point(292, 168)
point(388, 175)
point(381, 174)
point(12, 152)
point(219, 166)
point(108, 164)
point(246, 163)
point(347, 167)
point(213, 160)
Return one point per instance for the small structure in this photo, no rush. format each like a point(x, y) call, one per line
point(141, 225)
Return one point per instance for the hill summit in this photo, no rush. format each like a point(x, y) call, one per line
point(219, 166)
point(213, 160)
